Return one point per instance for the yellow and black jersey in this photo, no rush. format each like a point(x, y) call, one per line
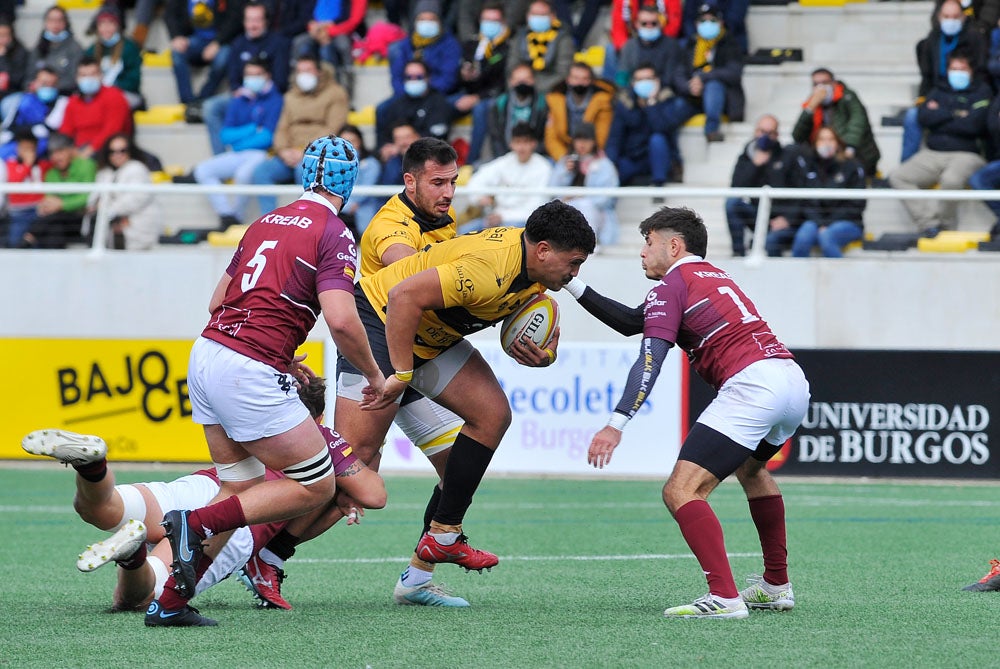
point(397, 222)
point(483, 279)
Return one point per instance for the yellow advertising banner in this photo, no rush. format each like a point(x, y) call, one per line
point(130, 392)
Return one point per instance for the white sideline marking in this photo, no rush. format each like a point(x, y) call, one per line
point(523, 558)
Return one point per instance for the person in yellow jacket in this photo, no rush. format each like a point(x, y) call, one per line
point(579, 99)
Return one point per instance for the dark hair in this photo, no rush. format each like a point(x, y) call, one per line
point(362, 150)
point(24, 134)
point(562, 226)
point(309, 58)
point(314, 396)
point(822, 70)
point(105, 151)
point(44, 46)
point(645, 65)
point(86, 61)
point(424, 149)
point(256, 3)
point(580, 65)
point(523, 130)
point(683, 222)
point(418, 62)
point(259, 62)
point(494, 5)
point(961, 54)
point(47, 68)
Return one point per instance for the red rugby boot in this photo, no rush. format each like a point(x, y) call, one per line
point(460, 553)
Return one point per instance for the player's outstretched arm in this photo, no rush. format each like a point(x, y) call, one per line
point(349, 335)
point(624, 320)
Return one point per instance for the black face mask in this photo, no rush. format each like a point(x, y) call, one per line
point(580, 90)
point(524, 90)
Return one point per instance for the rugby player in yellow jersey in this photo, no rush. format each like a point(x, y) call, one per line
point(418, 310)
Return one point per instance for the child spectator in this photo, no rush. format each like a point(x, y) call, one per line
point(25, 167)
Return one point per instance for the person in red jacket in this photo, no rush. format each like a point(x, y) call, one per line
point(623, 14)
point(25, 167)
point(95, 112)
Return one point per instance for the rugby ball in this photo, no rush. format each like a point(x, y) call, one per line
point(536, 319)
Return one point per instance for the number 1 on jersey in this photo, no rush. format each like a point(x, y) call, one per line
point(257, 263)
point(747, 316)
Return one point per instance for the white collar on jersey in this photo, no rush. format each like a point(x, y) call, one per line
point(319, 199)
point(685, 259)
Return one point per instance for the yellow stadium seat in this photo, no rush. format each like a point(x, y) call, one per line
point(231, 236)
point(464, 120)
point(362, 117)
point(952, 241)
point(160, 115)
point(161, 177)
point(698, 121)
point(464, 174)
point(594, 56)
point(79, 4)
point(158, 59)
point(822, 3)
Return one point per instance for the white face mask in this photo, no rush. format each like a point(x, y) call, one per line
point(306, 81)
point(826, 150)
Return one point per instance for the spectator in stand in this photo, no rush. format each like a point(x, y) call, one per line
point(522, 167)
point(56, 49)
point(119, 57)
point(649, 44)
point(588, 167)
point(421, 106)
point(291, 19)
point(588, 17)
point(60, 217)
point(732, 13)
point(469, 11)
point(640, 143)
point(403, 135)
point(145, 12)
point(25, 167)
point(522, 103)
point(135, 219)
point(709, 78)
point(988, 177)
point(40, 110)
point(832, 104)
point(579, 99)
point(483, 74)
point(13, 59)
point(248, 133)
point(954, 115)
point(200, 34)
point(831, 224)
point(983, 14)
point(950, 31)
point(329, 36)
point(95, 111)
point(544, 44)
point(763, 162)
point(430, 43)
point(360, 209)
point(256, 42)
point(313, 106)
point(624, 15)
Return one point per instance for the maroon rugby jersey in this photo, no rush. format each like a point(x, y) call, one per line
point(701, 309)
point(285, 259)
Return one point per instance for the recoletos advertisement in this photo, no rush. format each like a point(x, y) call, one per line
point(133, 393)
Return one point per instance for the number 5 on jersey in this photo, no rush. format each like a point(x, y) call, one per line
point(257, 263)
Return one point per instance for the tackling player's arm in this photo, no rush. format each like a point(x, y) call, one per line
point(349, 335)
point(396, 252)
point(624, 320)
point(641, 378)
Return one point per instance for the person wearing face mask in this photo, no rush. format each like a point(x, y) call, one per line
point(56, 49)
point(328, 35)
point(625, 19)
point(483, 72)
point(732, 13)
point(95, 111)
point(950, 31)
point(544, 44)
point(955, 117)
point(578, 100)
point(119, 56)
point(427, 110)
point(835, 105)
point(248, 134)
point(829, 225)
point(648, 44)
point(314, 104)
point(40, 111)
point(432, 43)
point(520, 104)
point(639, 142)
point(709, 77)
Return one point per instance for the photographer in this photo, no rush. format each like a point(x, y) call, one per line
point(763, 162)
point(588, 166)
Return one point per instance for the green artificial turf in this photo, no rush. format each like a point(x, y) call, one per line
point(586, 568)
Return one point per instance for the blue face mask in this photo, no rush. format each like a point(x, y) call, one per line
point(539, 24)
point(55, 37)
point(47, 93)
point(709, 29)
point(490, 29)
point(644, 89)
point(427, 29)
point(114, 39)
point(959, 79)
point(88, 85)
point(415, 88)
point(254, 83)
point(649, 34)
point(951, 27)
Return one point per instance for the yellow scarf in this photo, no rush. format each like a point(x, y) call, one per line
point(421, 42)
point(538, 45)
point(486, 47)
point(704, 52)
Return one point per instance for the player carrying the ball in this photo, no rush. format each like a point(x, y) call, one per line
point(762, 397)
point(420, 307)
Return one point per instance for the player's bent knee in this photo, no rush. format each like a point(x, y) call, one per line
point(237, 472)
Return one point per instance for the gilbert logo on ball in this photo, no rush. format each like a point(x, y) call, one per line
point(536, 320)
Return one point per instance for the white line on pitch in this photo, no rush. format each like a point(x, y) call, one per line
point(522, 558)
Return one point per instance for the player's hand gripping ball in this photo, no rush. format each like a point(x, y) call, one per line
point(537, 320)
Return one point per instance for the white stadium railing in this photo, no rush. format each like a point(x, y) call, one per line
point(765, 195)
